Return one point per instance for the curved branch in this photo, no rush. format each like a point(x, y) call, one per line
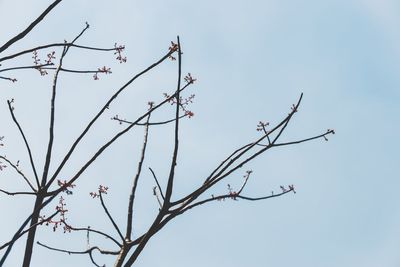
point(183, 209)
point(87, 229)
point(89, 250)
point(56, 45)
point(307, 139)
point(149, 123)
point(158, 184)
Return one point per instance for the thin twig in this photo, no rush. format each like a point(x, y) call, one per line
point(56, 45)
point(150, 123)
point(246, 178)
point(307, 139)
point(8, 79)
point(225, 160)
point(135, 183)
point(233, 196)
point(17, 193)
point(158, 184)
point(75, 39)
point(42, 66)
point(94, 231)
point(11, 109)
point(110, 217)
point(19, 172)
point(106, 252)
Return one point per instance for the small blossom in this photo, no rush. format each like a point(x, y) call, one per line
point(2, 166)
point(189, 79)
point(50, 56)
point(261, 126)
point(173, 48)
point(291, 188)
point(189, 113)
point(36, 61)
point(61, 208)
point(64, 185)
point(293, 108)
point(103, 69)
point(118, 52)
point(101, 190)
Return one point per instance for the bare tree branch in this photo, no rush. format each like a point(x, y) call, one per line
point(20, 233)
point(15, 167)
point(218, 174)
point(56, 45)
point(232, 196)
point(158, 184)
point(51, 127)
point(30, 27)
point(17, 193)
point(100, 151)
point(135, 182)
point(110, 217)
point(88, 251)
point(155, 225)
point(106, 252)
point(307, 139)
point(113, 97)
point(149, 123)
point(171, 177)
point(88, 229)
point(8, 79)
point(42, 66)
point(11, 109)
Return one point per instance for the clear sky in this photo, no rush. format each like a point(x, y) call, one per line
point(252, 60)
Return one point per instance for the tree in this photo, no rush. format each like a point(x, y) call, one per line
point(47, 187)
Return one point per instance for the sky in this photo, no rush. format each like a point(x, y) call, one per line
point(252, 60)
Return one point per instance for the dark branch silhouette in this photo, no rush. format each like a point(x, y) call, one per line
point(30, 27)
point(129, 244)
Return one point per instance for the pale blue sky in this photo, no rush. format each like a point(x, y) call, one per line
point(252, 60)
